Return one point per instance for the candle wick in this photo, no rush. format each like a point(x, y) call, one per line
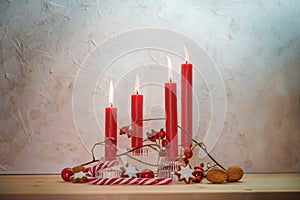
point(137, 92)
point(111, 105)
point(186, 62)
point(170, 80)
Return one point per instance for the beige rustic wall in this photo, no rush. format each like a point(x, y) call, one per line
point(57, 58)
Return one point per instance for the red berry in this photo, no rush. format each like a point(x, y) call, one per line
point(66, 173)
point(164, 142)
point(199, 174)
point(130, 133)
point(124, 130)
point(188, 153)
point(161, 134)
point(147, 173)
point(151, 135)
point(154, 133)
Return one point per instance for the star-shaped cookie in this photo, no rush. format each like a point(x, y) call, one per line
point(130, 170)
point(185, 173)
point(79, 175)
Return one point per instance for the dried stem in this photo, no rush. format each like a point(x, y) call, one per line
point(202, 146)
point(152, 146)
point(147, 119)
point(139, 147)
point(93, 154)
point(150, 164)
point(90, 162)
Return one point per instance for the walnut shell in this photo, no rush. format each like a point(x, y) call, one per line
point(235, 173)
point(216, 175)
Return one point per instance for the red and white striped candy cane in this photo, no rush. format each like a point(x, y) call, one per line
point(119, 180)
point(131, 181)
point(92, 171)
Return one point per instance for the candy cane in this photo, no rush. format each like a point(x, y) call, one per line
point(119, 180)
point(92, 171)
point(131, 181)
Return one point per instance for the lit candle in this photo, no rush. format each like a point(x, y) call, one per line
point(171, 116)
point(137, 114)
point(186, 101)
point(110, 128)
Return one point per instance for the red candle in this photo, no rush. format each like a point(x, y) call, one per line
point(137, 114)
point(186, 102)
point(171, 116)
point(110, 128)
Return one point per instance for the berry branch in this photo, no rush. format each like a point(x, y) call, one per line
point(202, 146)
point(152, 146)
point(155, 146)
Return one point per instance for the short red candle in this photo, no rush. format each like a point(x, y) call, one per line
point(110, 132)
point(171, 116)
point(171, 120)
point(186, 104)
point(110, 128)
point(137, 114)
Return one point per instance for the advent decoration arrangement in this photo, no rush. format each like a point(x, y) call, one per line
point(171, 166)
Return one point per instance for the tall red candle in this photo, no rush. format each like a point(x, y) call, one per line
point(171, 117)
point(110, 128)
point(137, 114)
point(186, 102)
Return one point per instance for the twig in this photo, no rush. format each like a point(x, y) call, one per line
point(139, 147)
point(202, 146)
point(90, 162)
point(152, 146)
point(141, 161)
point(93, 155)
point(147, 119)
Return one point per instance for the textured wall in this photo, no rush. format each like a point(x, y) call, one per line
point(57, 57)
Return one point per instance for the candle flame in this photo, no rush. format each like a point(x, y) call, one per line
point(137, 83)
point(186, 55)
point(111, 93)
point(169, 68)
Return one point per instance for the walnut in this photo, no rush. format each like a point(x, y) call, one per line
point(216, 175)
point(235, 173)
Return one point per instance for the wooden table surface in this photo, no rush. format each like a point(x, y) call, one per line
point(252, 186)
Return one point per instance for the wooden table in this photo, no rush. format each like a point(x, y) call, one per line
point(252, 186)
